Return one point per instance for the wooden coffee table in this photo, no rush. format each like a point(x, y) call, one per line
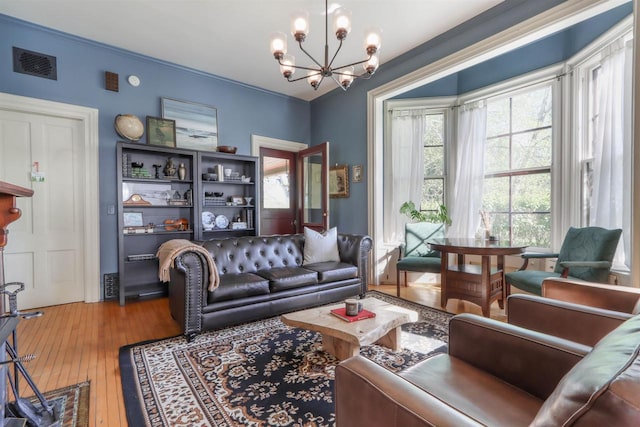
point(344, 339)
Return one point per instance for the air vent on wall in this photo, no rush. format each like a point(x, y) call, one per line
point(34, 64)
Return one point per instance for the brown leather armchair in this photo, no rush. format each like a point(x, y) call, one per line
point(500, 374)
point(580, 311)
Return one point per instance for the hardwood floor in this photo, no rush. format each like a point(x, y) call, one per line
point(79, 342)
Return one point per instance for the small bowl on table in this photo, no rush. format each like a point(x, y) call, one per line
point(229, 149)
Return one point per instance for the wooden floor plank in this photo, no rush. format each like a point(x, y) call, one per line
point(78, 342)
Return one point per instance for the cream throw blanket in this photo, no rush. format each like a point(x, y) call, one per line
point(168, 252)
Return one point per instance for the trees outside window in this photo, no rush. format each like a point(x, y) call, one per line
point(433, 188)
point(518, 158)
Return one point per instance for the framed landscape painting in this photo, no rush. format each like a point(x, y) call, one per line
point(196, 124)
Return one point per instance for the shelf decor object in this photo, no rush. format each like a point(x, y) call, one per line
point(161, 131)
point(318, 70)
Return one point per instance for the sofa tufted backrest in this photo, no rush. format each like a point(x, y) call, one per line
point(249, 254)
point(603, 388)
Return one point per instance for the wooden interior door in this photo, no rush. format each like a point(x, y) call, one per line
point(278, 198)
point(46, 249)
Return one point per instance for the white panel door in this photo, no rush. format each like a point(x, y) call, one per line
point(45, 246)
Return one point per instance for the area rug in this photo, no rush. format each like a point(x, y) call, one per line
point(71, 404)
point(257, 374)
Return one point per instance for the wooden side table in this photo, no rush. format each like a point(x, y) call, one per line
point(479, 284)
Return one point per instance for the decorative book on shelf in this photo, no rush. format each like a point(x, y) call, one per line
point(341, 313)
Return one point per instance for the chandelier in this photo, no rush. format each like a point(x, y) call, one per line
point(316, 74)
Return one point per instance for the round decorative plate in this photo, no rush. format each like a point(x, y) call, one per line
point(208, 220)
point(222, 221)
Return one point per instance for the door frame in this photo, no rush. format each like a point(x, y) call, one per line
point(258, 142)
point(89, 167)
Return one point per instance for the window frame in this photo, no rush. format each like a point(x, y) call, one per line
point(512, 172)
point(436, 105)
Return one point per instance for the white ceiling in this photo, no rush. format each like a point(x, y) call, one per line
point(230, 38)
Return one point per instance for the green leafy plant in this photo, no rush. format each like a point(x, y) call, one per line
point(441, 215)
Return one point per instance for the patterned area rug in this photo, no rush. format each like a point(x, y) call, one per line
point(257, 374)
point(71, 404)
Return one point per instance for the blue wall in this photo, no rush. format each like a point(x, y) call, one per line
point(341, 118)
point(242, 110)
point(537, 55)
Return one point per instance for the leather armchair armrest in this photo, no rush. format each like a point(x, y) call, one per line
point(608, 297)
point(574, 322)
point(366, 394)
point(529, 360)
point(355, 249)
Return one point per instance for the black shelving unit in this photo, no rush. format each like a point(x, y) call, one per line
point(152, 209)
point(162, 207)
point(226, 196)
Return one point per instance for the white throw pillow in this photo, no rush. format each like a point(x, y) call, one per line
point(319, 247)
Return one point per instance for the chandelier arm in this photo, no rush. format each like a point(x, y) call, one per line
point(309, 55)
point(335, 54)
point(344, 89)
point(289, 79)
point(300, 67)
point(335, 70)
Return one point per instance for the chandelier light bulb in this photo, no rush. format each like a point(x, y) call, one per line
point(346, 77)
point(313, 78)
point(278, 44)
point(371, 65)
point(288, 65)
point(342, 22)
point(300, 25)
point(372, 40)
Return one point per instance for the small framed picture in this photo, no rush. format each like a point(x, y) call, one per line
point(237, 200)
point(161, 131)
point(357, 173)
point(132, 219)
point(339, 181)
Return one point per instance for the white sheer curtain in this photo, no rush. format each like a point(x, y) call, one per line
point(469, 170)
point(612, 147)
point(404, 169)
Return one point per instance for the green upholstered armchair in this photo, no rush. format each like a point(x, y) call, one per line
point(415, 254)
point(586, 254)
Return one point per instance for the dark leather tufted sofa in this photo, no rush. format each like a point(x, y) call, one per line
point(262, 277)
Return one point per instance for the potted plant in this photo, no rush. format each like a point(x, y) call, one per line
point(441, 215)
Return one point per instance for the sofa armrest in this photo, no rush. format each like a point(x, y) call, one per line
point(574, 322)
point(529, 360)
point(354, 249)
point(609, 297)
point(188, 291)
point(366, 394)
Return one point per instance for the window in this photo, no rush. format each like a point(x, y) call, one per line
point(433, 187)
point(518, 155)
